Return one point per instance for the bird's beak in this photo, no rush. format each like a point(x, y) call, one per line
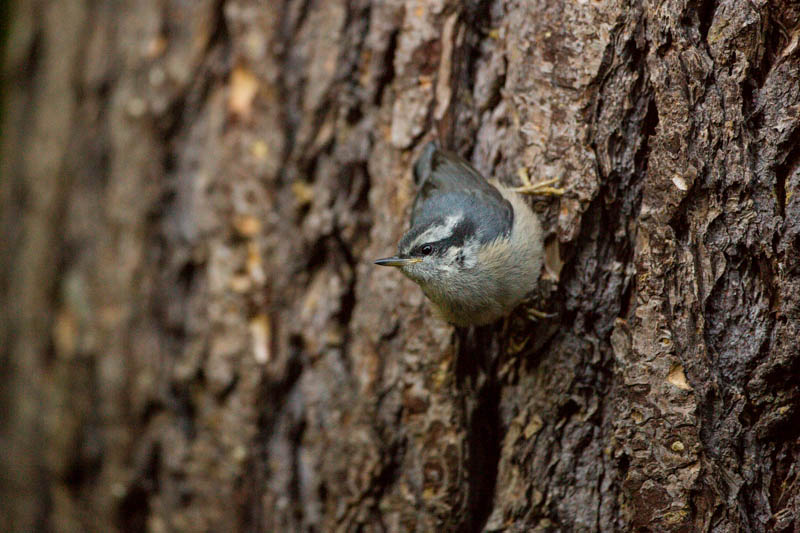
point(397, 261)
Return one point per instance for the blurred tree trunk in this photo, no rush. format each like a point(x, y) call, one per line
point(194, 337)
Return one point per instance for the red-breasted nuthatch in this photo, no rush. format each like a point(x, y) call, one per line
point(474, 248)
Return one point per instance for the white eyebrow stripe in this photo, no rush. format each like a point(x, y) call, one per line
point(439, 232)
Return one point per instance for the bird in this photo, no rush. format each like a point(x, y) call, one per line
point(474, 247)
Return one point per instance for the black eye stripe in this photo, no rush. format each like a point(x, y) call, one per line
point(462, 231)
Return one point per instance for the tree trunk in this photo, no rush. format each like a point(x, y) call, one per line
point(194, 337)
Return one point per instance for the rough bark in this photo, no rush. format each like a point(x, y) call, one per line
point(194, 337)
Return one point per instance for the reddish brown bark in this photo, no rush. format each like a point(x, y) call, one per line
point(194, 337)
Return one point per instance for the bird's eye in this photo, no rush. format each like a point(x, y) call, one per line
point(426, 249)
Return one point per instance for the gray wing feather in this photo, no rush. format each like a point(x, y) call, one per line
point(439, 172)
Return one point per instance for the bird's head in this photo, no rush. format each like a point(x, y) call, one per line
point(437, 251)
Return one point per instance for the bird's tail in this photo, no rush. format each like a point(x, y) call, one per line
point(422, 168)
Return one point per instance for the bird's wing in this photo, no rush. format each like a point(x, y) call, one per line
point(440, 172)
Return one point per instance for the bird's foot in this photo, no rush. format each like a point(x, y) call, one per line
point(535, 314)
point(543, 188)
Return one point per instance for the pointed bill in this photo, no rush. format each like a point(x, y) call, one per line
point(397, 261)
